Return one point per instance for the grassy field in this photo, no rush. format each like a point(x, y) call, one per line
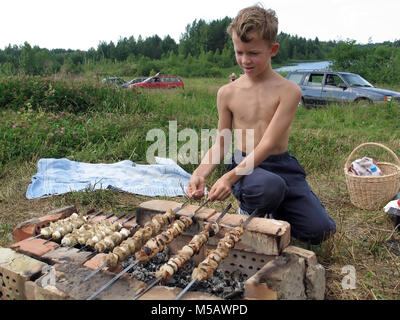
point(80, 120)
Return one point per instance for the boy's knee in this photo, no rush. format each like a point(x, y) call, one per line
point(320, 232)
point(265, 193)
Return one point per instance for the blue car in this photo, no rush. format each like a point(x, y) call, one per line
point(320, 87)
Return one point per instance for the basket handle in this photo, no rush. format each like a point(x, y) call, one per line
point(347, 165)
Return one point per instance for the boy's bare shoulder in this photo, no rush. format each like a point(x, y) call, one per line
point(226, 92)
point(226, 89)
point(288, 87)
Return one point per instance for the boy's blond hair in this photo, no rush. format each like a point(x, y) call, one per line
point(258, 19)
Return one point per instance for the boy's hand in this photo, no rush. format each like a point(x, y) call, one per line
point(196, 187)
point(220, 190)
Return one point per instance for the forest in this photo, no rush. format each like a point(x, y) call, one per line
point(204, 50)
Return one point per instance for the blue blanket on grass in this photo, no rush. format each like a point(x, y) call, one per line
point(58, 176)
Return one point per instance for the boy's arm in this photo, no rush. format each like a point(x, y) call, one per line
point(217, 152)
point(278, 126)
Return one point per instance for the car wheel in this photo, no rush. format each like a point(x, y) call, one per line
point(302, 104)
point(363, 101)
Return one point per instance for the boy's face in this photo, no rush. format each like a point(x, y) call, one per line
point(254, 56)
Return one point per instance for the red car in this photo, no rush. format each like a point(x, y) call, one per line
point(160, 81)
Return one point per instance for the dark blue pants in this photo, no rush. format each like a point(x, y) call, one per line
point(278, 187)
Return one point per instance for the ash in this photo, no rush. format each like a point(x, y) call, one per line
point(225, 285)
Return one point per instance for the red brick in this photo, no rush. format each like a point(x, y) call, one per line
point(24, 232)
point(130, 223)
point(36, 292)
point(15, 270)
point(309, 256)
point(67, 255)
point(258, 291)
point(30, 287)
point(160, 206)
point(98, 218)
point(35, 247)
point(98, 260)
point(32, 227)
point(261, 225)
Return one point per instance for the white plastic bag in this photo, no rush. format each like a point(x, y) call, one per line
point(392, 204)
point(365, 167)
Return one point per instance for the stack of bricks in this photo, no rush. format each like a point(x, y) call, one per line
point(264, 245)
point(26, 265)
point(275, 269)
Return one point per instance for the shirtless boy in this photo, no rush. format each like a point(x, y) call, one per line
point(266, 177)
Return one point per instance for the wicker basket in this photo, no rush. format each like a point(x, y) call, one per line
point(373, 193)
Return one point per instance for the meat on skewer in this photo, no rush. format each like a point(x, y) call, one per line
point(144, 255)
point(89, 231)
point(111, 241)
point(206, 268)
point(73, 221)
point(159, 242)
point(177, 228)
point(82, 234)
point(134, 243)
point(178, 261)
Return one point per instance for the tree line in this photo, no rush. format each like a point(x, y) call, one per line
point(378, 63)
point(204, 49)
point(206, 42)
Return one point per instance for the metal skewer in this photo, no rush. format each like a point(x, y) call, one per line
point(128, 219)
point(114, 220)
point(123, 222)
point(93, 273)
point(90, 211)
point(35, 237)
point(191, 283)
point(181, 206)
point(134, 263)
point(198, 209)
point(151, 285)
point(95, 215)
point(48, 240)
point(105, 264)
point(247, 221)
point(158, 280)
point(103, 219)
point(119, 217)
point(90, 218)
point(51, 239)
point(119, 275)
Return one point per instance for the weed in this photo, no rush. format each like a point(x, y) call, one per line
point(82, 121)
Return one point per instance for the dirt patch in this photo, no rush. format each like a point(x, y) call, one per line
point(364, 239)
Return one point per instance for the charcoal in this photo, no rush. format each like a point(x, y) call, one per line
point(218, 288)
point(227, 290)
point(223, 284)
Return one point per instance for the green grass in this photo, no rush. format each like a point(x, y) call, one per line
point(39, 121)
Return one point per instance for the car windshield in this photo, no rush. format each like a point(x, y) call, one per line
point(356, 80)
point(148, 79)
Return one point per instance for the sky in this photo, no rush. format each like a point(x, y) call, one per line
point(82, 24)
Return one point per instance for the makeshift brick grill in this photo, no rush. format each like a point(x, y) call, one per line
point(261, 265)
